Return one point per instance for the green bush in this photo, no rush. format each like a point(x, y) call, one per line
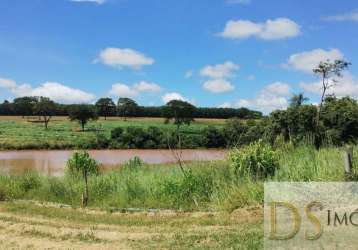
point(81, 161)
point(257, 160)
point(214, 137)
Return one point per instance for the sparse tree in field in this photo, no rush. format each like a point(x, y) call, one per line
point(24, 106)
point(180, 111)
point(126, 107)
point(327, 71)
point(83, 114)
point(45, 108)
point(82, 164)
point(105, 107)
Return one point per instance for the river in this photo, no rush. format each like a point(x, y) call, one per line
point(53, 162)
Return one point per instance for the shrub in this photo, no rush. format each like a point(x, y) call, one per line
point(133, 164)
point(116, 133)
point(81, 161)
point(214, 137)
point(257, 160)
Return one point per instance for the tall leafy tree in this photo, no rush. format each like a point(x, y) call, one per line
point(6, 108)
point(83, 114)
point(45, 108)
point(180, 112)
point(327, 71)
point(126, 107)
point(24, 106)
point(105, 107)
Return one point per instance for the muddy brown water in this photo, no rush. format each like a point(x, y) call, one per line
point(53, 162)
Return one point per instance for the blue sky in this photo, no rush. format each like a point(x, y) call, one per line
point(209, 52)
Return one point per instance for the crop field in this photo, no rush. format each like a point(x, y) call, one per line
point(21, 133)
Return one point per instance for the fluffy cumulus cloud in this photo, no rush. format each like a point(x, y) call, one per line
point(225, 70)
point(273, 96)
point(307, 60)
point(124, 90)
point(53, 90)
point(345, 86)
point(89, 1)
point(119, 58)
point(218, 86)
point(349, 16)
point(173, 96)
point(218, 76)
point(280, 28)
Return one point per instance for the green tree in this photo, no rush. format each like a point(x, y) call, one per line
point(327, 71)
point(298, 100)
point(45, 108)
point(180, 111)
point(24, 106)
point(126, 107)
point(105, 107)
point(340, 120)
point(81, 163)
point(83, 114)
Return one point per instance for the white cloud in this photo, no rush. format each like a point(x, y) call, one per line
point(224, 70)
point(120, 58)
point(238, 1)
point(273, 96)
point(349, 16)
point(7, 83)
point(306, 61)
point(89, 1)
point(144, 86)
point(53, 90)
point(63, 94)
point(225, 105)
point(189, 74)
point(173, 96)
point(280, 28)
point(124, 90)
point(218, 86)
point(345, 86)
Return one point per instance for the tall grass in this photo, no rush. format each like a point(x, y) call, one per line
point(206, 186)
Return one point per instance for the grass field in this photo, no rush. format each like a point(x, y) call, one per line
point(19, 133)
point(34, 226)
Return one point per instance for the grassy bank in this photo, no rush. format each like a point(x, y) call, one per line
point(20, 133)
point(206, 186)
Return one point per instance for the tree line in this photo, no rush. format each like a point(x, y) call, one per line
point(125, 107)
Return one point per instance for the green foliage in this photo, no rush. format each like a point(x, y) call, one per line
point(180, 111)
point(105, 107)
point(45, 108)
point(83, 114)
point(133, 164)
point(257, 160)
point(81, 162)
point(126, 107)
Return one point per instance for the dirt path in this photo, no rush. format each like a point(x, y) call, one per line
point(33, 227)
